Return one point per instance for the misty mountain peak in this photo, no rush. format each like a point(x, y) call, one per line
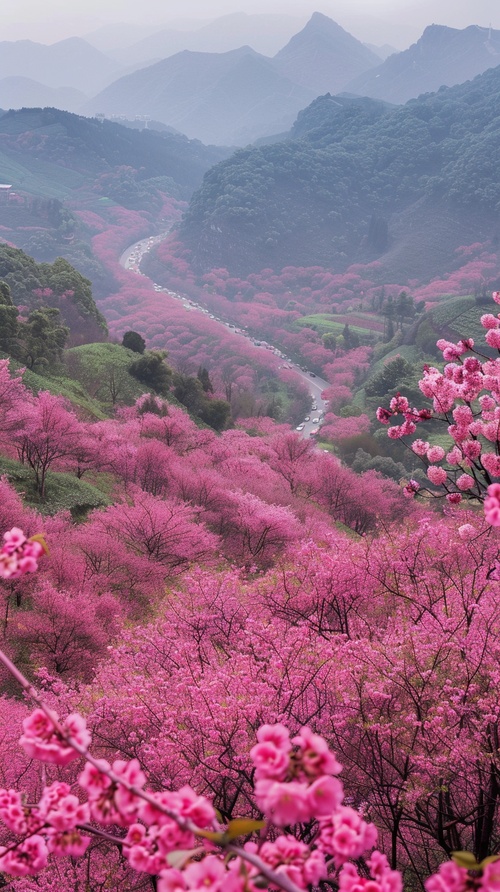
point(323, 22)
point(323, 56)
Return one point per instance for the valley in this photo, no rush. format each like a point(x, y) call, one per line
point(131, 260)
point(250, 448)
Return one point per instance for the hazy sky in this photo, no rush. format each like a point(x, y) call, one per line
point(50, 20)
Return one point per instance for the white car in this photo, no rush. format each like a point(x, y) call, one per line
point(315, 420)
point(300, 427)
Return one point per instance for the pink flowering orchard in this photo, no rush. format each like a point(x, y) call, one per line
point(222, 689)
point(177, 836)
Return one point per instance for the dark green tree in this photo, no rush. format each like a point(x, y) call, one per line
point(351, 338)
point(152, 370)
point(132, 340)
point(391, 378)
point(42, 339)
point(189, 392)
point(204, 379)
point(215, 413)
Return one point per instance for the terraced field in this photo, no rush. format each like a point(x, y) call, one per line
point(325, 323)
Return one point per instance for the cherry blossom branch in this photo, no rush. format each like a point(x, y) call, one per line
point(278, 879)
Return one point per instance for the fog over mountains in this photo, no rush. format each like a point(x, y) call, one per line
point(241, 95)
point(67, 63)
point(266, 34)
point(236, 79)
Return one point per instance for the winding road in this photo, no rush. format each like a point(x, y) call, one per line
point(131, 260)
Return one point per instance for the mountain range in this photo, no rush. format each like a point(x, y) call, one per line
point(239, 96)
point(223, 98)
point(323, 57)
point(68, 63)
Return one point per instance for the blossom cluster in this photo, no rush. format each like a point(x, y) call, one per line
point(466, 397)
point(295, 782)
point(18, 554)
point(48, 741)
point(50, 827)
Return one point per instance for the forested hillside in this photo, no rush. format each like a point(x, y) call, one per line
point(361, 184)
point(72, 177)
point(31, 286)
point(36, 139)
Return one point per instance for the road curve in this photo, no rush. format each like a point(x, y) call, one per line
point(131, 258)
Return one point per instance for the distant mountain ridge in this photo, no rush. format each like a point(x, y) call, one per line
point(266, 34)
point(15, 92)
point(222, 98)
point(239, 96)
point(441, 57)
point(68, 63)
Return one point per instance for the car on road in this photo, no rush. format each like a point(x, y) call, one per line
point(312, 374)
point(300, 427)
point(307, 418)
point(315, 420)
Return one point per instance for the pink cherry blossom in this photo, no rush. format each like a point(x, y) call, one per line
point(493, 338)
point(411, 488)
point(208, 874)
point(450, 878)
point(465, 482)
point(345, 835)
point(491, 463)
point(324, 795)
point(316, 758)
point(492, 505)
point(420, 447)
point(27, 859)
point(19, 555)
point(270, 761)
point(277, 734)
point(283, 803)
point(437, 475)
point(435, 453)
point(42, 741)
point(488, 320)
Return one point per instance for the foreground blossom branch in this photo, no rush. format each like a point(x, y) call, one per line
point(465, 397)
point(61, 747)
